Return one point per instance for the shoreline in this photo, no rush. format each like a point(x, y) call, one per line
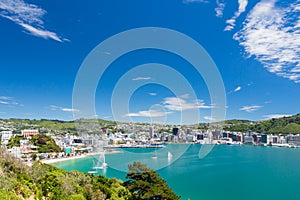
point(56, 160)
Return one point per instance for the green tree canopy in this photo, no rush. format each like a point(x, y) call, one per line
point(145, 183)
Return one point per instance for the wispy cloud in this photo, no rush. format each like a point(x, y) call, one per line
point(9, 101)
point(250, 108)
point(148, 113)
point(271, 34)
point(237, 89)
point(28, 16)
point(52, 107)
point(140, 78)
point(180, 104)
point(231, 22)
point(209, 118)
point(185, 96)
point(5, 98)
point(107, 117)
point(152, 93)
point(274, 116)
point(220, 8)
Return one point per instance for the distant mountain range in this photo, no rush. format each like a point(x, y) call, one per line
point(284, 125)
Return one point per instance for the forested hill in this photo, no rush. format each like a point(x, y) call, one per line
point(284, 125)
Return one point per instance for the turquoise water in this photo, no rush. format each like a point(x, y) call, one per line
point(227, 172)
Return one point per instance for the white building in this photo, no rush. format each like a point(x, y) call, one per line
point(15, 151)
point(5, 137)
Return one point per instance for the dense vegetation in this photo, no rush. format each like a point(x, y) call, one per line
point(284, 125)
point(145, 183)
point(45, 144)
point(42, 181)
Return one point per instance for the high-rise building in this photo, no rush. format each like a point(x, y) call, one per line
point(175, 131)
point(151, 132)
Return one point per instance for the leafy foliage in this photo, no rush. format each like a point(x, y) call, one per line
point(42, 181)
point(145, 183)
point(14, 142)
point(45, 144)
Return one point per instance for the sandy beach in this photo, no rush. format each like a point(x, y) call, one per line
point(55, 160)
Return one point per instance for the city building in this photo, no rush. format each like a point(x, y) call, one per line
point(29, 133)
point(151, 132)
point(5, 137)
point(175, 131)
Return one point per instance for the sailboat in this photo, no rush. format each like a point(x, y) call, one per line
point(170, 155)
point(100, 162)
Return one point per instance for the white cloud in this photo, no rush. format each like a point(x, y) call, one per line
point(4, 102)
point(41, 33)
point(250, 108)
point(231, 22)
point(28, 16)
point(141, 78)
point(107, 117)
point(63, 109)
point(152, 93)
point(237, 89)
point(274, 116)
point(209, 118)
point(179, 104)
point(5, 98)
point(271, 34)
point(148, 113)
point(185, 96)
point(220, 8)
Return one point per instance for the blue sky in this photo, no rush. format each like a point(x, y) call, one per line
point(254, 44)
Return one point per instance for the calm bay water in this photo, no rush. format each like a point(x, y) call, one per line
point(227, 172)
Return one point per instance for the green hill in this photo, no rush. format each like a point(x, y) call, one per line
point(284, 125)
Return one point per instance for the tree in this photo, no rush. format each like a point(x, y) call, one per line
point(45, 144)
point(14, 142)
point(145, 183)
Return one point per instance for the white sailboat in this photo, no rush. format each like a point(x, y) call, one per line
point(170, 155)
point(100, 162)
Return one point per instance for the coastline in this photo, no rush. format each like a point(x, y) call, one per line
point(56, 160)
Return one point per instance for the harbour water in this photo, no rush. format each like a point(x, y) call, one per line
point(227, 172)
